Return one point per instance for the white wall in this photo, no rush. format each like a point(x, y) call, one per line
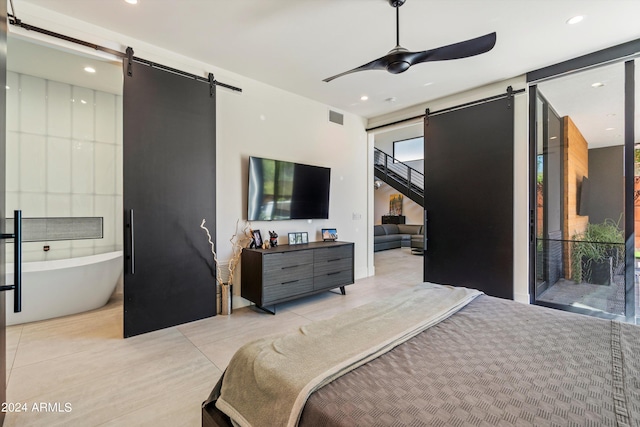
point(261, 121)
point(64, 159)
point(521, 166)
point(267, 122)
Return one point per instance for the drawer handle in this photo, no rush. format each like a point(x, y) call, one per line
point(334, 273)
point(335, 259)
point(290, 281)
point(289, 266)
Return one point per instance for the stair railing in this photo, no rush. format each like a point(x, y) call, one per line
point(402, 173)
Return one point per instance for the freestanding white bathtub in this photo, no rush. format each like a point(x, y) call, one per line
point(62, 287)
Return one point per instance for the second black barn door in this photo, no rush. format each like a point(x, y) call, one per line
point(468, 163)
point(169, 187)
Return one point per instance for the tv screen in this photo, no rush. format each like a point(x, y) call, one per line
point(583, 195)
point(281, 190)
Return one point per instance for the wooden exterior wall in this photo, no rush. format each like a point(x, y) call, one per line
point(576, 165)
point(636, 199)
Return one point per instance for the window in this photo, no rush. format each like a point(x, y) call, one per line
point(409, 150)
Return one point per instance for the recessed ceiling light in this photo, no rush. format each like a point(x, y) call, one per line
point(597, 84)
point(364, 98)
point(7, 87)
point(575, 19)
point(132, 1)
point(83, 101)
point(554, 137)
point(609, 128)
point(90, 69)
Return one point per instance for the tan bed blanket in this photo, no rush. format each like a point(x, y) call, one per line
point(269, 380)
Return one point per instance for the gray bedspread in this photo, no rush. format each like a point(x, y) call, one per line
point(271, 378)
point(494, 363)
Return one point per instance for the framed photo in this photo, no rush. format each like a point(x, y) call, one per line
point(395, 204)
point(329, 234)
point(298, 238)
point(257, 238)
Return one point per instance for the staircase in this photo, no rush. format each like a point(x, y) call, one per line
point(403, 178)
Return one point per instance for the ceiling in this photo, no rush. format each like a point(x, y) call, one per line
point(35, 59)
point(293, 45)
point(594, 99)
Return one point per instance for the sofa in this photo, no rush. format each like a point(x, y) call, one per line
point(391, 236)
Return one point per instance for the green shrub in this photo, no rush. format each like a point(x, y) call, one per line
point(596, 243)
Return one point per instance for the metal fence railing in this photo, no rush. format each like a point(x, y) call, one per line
point(401, 172)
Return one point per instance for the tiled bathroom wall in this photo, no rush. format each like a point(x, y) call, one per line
point(64, 159)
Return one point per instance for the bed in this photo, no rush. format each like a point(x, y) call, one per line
point(481, 361)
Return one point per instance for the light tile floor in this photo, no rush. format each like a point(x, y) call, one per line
point(160, 378)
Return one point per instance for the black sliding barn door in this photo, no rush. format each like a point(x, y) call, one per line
point(169, 187)
point(468, 164)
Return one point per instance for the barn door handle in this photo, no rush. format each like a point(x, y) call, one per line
point(17, 261)
point(424, 231)
point(132, 255)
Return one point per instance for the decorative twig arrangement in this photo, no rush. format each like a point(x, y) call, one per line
point(213, 251)
point(238, 241)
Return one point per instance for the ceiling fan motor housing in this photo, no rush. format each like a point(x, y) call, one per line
point(398, 67)
point(396, 3)
point(397, 60)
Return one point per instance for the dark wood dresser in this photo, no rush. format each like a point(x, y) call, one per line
point(393, 219)
point(272, 276)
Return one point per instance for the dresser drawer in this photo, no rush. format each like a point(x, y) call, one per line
point(286, 289)
point(331, 265)
point(331, 253)
point(283, 260)
point(333, 280)
point(287, 274)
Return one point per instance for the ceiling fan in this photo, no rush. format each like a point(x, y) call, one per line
point(399, 59)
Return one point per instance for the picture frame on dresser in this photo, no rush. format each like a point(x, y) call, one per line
point(329, 234)
point(298, 238)
point(257, 237)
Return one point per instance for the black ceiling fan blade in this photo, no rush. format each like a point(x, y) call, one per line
point(459, 50)
point(377, 64)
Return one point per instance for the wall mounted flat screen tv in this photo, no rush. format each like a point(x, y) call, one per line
point(281, 190)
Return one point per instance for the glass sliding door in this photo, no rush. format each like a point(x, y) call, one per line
point(549, 195)
point(580, 193)
point(636, 192)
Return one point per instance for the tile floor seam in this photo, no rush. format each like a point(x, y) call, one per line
point(15, 354)
point(199, 350)
point(96, 351)
point(36, 397)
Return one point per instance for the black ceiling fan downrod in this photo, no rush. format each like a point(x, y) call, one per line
point(398, 25)
point(397, 4)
